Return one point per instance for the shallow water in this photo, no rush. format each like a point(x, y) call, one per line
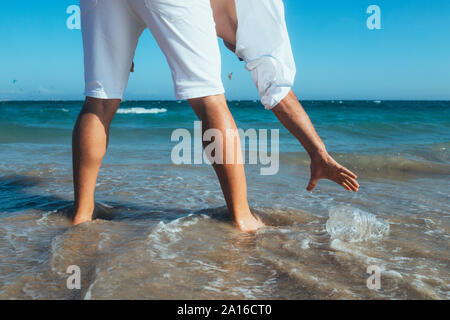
point(163, 230)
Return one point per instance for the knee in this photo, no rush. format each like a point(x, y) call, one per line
point(102, 110)
point(205, 107)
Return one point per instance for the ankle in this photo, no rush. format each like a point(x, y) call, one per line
point(80, 219)
point(239, 213)
point(84, 212)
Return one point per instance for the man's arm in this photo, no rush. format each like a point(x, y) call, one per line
point(289, 111)
point(292, 115)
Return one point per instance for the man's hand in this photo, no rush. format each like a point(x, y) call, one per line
point(132, 67)
point(326, 167)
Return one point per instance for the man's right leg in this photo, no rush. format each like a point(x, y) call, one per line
point(89, 143)
point(185, 31)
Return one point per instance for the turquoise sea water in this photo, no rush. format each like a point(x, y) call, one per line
point(168, 235)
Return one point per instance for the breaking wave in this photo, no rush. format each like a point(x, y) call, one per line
point(141, 111)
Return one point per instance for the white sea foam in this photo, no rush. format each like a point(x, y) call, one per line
point(141, 111)
point(164, 235)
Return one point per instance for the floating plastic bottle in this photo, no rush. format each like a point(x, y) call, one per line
point(352, 224)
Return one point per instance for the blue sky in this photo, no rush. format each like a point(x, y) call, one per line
point(337, 56)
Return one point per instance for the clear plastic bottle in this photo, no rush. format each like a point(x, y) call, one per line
point(352, 224)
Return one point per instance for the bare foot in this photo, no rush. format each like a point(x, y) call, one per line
point(249, 223)
point(325, 167)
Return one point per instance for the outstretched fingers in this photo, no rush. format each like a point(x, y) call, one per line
point(346, 186)
point(349, 183)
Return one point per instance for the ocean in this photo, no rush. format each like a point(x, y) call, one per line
point(164, 231)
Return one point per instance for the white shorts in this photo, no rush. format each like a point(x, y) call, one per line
point(185, 32)
point(262, 41)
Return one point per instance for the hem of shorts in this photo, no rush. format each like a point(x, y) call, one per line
point(191, 94)
point(103, 95)
point(279, 97)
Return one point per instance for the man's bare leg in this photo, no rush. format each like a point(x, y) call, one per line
point(89, 143)
point(214, 114)
point(292, 115)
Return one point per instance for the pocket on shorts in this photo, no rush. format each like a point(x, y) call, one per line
point(171, 10)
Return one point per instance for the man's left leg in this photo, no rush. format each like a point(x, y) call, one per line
point(110, 35)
